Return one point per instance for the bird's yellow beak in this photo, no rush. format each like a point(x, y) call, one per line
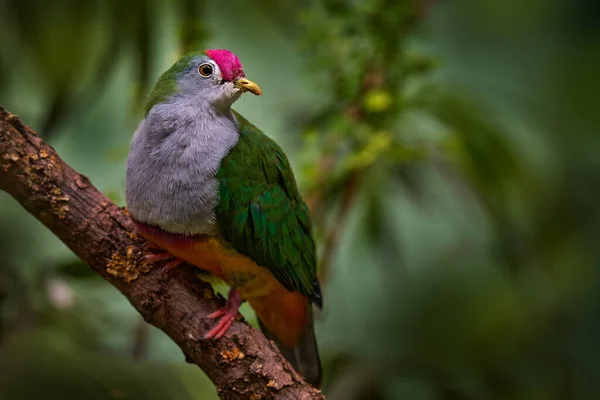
point(247, 85)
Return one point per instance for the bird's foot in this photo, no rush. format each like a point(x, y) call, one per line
point(226, 315)
point(163, 255)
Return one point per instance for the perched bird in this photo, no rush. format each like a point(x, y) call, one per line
point(208, 187)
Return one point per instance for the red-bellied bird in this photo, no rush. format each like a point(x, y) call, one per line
point(209, 188)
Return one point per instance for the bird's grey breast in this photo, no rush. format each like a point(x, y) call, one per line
point(172, 165)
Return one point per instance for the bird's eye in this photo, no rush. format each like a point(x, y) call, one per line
point(205, 70)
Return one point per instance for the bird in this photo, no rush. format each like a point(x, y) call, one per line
point(207, 187)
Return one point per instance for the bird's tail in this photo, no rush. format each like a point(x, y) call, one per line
point(304, 356)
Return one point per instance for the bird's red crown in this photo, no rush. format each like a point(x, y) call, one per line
point(229, 64)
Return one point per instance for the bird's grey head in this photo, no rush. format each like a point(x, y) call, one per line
point(214, 76)
point(179, 146)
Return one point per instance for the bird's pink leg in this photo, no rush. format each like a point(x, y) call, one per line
point(163, 255)
point(226, 315)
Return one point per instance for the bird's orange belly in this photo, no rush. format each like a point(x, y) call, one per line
point(282, 311)
point(220, 259)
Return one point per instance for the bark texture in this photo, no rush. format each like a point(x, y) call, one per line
point(242, 365)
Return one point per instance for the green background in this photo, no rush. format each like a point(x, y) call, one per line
point(450, 152)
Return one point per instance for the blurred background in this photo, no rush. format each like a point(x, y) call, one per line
point(449, 151)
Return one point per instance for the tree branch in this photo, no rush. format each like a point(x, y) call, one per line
point(242, 365)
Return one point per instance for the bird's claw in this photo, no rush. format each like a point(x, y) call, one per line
point(221, 328)
point(227, 315)
point(163, 255)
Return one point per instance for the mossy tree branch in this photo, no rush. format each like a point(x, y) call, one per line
point(242, 365)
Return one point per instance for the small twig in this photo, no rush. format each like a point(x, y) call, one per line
point(141, 340)
point(332, 237)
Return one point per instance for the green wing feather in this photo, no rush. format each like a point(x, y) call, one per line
point(262, 214)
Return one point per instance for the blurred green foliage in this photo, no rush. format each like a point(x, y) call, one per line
point(448, 150)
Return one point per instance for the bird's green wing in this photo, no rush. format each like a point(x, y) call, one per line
point(261, 213)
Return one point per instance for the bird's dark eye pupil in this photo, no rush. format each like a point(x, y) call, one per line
point(206, 70)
